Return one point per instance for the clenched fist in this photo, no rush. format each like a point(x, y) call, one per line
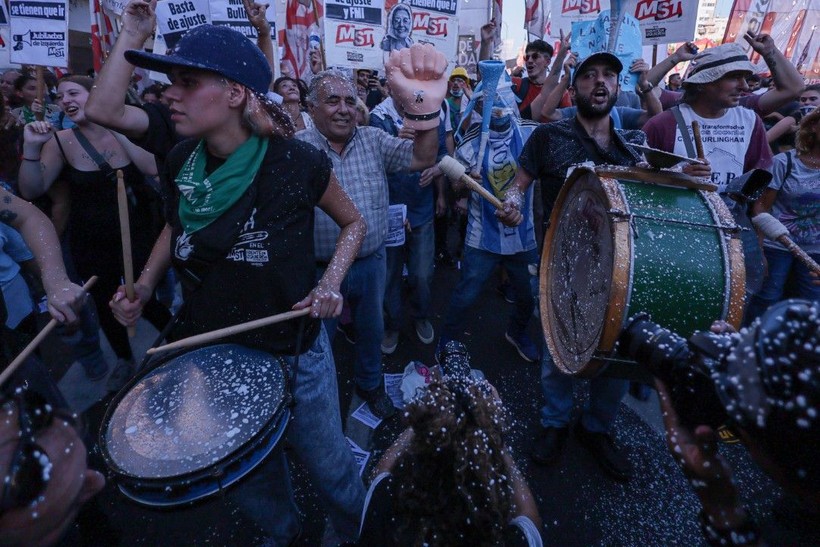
point(418, 81)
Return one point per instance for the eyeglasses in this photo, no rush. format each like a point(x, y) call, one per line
point(534, 56)
point(30, 466)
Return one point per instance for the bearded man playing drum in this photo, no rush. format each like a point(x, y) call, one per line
point(263, 187)
point(550, 151)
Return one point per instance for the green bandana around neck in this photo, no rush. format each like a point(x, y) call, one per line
point(204, 199)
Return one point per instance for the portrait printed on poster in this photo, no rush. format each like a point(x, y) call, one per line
point(399, 28)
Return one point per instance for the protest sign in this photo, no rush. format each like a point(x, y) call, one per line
point(661, 21)
point(353, 32)
point(231, 13)
point(114, 6)
point(435, 22)
point(5, 61)
point(467, 54)
point(4, 16)
point(176, 17)
point(590, 37)
point(39, 32)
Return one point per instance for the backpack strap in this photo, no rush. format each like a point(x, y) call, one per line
point(684, 132)
point(789, 165)
point(92, 152)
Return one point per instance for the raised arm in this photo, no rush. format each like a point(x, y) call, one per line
point(106, 104)
point(143, 159)
point(485, 50)
point(552, 81)
point(650, 102)
point(684, 53)
point(42, 161)
point(788, 82)
point(549, 108)
point(257, 16)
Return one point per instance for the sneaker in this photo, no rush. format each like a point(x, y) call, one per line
point(347, 331)
point(505, 289)
point(525, 347)
point(425, 332)
point(120, 375)
point(612, 460)
point(378, 402)
point(548, 445)
point(390, 341)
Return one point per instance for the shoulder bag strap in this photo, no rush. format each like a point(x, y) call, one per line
point(96, 157)
point(684, 132)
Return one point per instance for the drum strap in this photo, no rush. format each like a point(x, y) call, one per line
point(684, 132)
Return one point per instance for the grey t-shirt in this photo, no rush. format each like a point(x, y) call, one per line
point(797, 204)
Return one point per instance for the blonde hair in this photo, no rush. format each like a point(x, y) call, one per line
point(361, 108)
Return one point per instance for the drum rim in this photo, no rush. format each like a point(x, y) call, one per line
point(162, 360)
point(620, 287)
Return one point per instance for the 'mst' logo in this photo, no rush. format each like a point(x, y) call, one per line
point(581, 6)
point(663, 9)
point(348, 34)
point(431, 26)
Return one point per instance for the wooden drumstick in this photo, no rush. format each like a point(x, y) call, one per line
point(697, 139)
point(41, 87)
point(125, 235)
point(210, 336)
point(455, 171)
point(37, 339)
point(774, 230)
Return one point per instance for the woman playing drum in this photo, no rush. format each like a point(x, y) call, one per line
point(241, 197)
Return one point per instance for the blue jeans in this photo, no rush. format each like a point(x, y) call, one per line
point(418, 251)
point(363, 288)
point(316, 437)
point(599, 412)
point(476, 267)
point(781, 264)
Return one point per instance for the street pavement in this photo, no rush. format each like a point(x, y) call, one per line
point(578, 504)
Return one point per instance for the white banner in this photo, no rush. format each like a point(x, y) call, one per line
point(354, 33)
point(39, 32)
point(232, 13)
point(436, 22)
point(114, 6)
point(176, 17)
point(661, 21)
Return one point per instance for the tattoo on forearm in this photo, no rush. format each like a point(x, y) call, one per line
point(7, 216)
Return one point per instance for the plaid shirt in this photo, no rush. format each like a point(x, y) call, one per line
point(361, 169)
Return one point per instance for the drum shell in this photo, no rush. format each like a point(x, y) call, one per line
point(203, 400)
point(618, 245)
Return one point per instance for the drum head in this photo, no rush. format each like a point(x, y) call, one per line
point(193, 411)
point(577, 271)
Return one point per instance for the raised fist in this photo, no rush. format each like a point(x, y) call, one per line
point(418, 81)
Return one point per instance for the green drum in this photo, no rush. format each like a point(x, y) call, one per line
point(629, 240)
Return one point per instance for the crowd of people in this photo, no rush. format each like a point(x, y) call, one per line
point(249, 197)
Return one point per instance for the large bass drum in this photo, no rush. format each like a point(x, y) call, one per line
point(628, 240)
point(193, 424)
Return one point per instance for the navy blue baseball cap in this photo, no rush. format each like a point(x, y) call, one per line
point(214, 48)
point(599, 57)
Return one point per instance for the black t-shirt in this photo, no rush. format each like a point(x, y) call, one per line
point(379, 522)
point(554, 147)
point(257, 259)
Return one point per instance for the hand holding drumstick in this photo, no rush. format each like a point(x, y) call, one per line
point(699, 170)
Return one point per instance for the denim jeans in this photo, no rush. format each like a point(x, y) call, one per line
point(417, 251)
point(476, 268)
point(363, 288)
point(781, 264)
point(599, 412)
point(316, 438)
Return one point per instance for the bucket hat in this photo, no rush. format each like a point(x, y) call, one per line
point(715, 63)
point(214, 48)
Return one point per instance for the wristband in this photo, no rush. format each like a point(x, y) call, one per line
point(746, 534)
point(422, 117)
point(29, 159)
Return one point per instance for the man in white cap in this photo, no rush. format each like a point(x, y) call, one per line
point(734, 139)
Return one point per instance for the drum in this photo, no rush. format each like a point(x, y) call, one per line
point(193, 424)
point(618, 245)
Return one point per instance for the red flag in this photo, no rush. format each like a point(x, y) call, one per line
point(302, 31)
point(535, 19)
point(103, 34)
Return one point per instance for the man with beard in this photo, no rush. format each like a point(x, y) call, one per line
point(552, 148)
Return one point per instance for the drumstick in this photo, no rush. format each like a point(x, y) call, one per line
point(697, 139)
point(41, 86)
point(774, 230)
point(229, 331)
point(455, 171)
point(37, 339)
point(125, 234)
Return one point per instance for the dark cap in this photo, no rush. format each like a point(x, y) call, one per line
point(600, 57)
point(214, 48)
